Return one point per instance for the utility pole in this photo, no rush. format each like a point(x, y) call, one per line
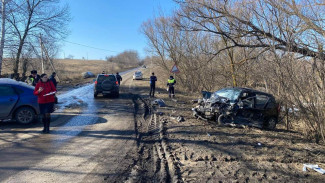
point(3, 29)
point(42, 57)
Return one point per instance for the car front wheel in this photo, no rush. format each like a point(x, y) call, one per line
point(270, 124)
point(223, 119)
point(25, 115)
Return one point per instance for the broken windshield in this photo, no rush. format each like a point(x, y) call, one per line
point(229, 93)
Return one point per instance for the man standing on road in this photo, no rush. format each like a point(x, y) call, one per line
point(34, 78)
point(119, 78)
point(170, 83)
point(52, 78)
point(153, 80)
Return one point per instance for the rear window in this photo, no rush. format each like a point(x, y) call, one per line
point(102, 78)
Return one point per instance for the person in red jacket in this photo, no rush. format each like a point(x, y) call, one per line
point(45, 91)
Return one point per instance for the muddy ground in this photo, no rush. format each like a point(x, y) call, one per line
point(201, 151)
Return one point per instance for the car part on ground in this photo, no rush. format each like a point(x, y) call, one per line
point(88, 75)
point(241, 106)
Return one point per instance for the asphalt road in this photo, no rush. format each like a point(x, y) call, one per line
point(91, 140)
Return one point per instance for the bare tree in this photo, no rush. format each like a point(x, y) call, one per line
point(128, 58)
point(275, 45)
point(33, 17)
point(3, 28)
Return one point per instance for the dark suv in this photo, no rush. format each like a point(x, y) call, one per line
point(239, 106)
point(106, 85)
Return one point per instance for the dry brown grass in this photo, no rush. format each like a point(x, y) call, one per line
point(69, 70)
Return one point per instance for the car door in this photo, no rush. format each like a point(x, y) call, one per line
point(261, 101)
point(8, 100)
point(246, 111)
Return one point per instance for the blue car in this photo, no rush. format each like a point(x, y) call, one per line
point(17, 101)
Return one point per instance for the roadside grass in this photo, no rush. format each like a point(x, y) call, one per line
point(69, 70)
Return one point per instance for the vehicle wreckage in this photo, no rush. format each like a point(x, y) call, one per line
point(239, 106)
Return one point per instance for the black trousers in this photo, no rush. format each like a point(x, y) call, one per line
point(152, 90)
point(171, 91)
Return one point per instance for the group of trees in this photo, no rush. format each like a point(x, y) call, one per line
point(25, 22)
point(273, 44)
point(129, 58)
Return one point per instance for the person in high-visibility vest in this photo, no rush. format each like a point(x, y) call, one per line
point(34, 78)
point(171, 83)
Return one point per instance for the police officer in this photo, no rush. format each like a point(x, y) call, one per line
point(119, 78)
point(171, 83)
point(34, 78)
point(153, 80)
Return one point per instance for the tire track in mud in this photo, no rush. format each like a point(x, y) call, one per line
point(155, 163)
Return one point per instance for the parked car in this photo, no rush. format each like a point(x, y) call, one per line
point(137, 75)
point(107, 85)
point(17, 101)
point(239, 106)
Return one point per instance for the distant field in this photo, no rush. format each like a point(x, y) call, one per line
point(69, 69)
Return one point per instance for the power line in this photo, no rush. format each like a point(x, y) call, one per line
point(90, 46)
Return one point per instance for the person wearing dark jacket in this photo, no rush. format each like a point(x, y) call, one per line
point(119, 78)
point(45, 91)
point(52, 78)
point(153, 80)
point(34, 78)
point(170, 84)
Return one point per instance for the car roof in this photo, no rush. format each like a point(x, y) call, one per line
point(249, 90)
point(12, 82)
point(106, 74)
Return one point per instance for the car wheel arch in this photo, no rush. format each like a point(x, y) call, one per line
point(267, 125)
point(22, 106)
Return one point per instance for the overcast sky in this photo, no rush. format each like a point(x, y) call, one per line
point(111, 25)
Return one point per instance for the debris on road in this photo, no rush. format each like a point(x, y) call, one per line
point(180, 119)
point(314, 167)
point(194, 101)
point(159, 102)
point(160, 113)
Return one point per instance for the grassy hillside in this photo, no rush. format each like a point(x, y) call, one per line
point(68, 69)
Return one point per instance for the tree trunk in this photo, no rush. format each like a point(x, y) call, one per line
point(16, 64)
point(3, 29)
